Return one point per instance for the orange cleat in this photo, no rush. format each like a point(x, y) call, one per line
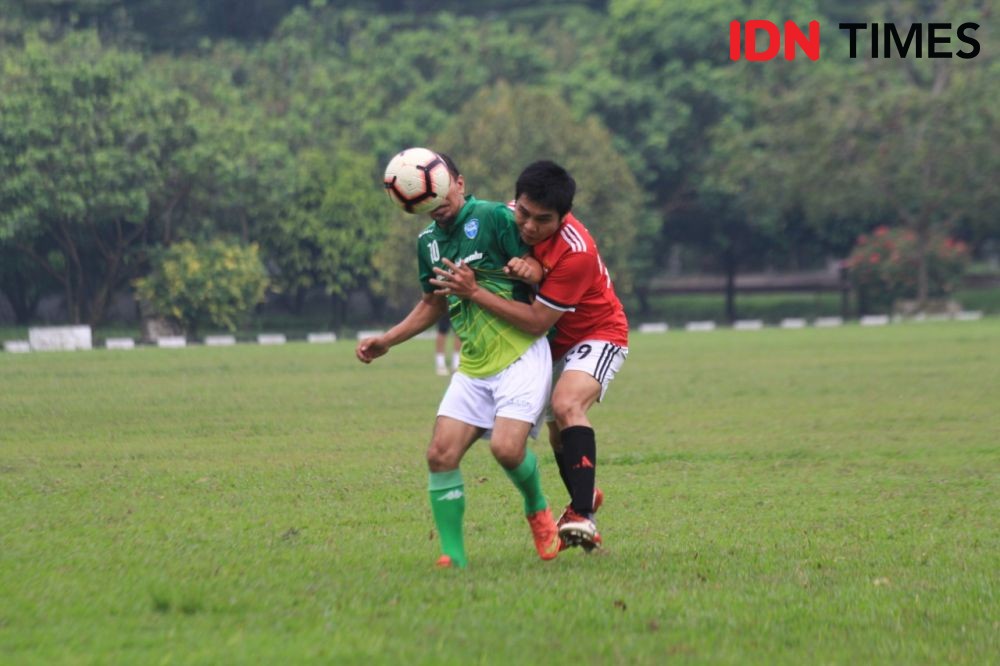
point(546, 534)
point(444, 562)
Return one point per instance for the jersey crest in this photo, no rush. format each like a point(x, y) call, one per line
point(471, 228)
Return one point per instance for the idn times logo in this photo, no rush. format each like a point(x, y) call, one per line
point(759, 40)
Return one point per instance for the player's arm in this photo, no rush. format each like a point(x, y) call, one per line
point(427, 311)
point(536, 318)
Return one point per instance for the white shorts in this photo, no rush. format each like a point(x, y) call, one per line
point(599, 359)
point(518, 392)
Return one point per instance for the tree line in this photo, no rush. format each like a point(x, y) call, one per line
point(129, 127)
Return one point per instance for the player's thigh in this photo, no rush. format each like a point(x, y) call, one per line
point(470, 400)
point(575, 389)
point(449, 442)
point(523, 388)
point(509, 440)
point(599, 359)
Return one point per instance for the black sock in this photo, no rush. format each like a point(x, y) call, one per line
point(580, 455)
point(564, 470)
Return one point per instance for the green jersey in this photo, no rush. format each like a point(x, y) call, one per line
point(484, 237)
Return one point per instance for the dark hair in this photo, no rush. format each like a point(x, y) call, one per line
point(547, 184)
point(450, 163)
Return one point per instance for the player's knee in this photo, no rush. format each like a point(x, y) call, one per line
point(441, 456)
point(507, 452)
point(567, 411)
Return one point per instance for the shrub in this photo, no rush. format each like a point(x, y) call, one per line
point(884, 265)
point(215, 283)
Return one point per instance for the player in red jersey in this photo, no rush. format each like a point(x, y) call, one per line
point(590, 342)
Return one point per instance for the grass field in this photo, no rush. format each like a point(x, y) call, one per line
point(807, 496)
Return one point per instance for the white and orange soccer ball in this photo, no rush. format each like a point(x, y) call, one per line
point(417, 180)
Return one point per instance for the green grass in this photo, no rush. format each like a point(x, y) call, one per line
point(808, 496)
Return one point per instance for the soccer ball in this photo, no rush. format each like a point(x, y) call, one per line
point(417, 180)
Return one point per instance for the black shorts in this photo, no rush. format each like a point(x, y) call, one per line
point(444, 325)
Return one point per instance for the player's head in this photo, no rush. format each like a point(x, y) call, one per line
point(448, 211)
point(543, 196)
point(548, 185)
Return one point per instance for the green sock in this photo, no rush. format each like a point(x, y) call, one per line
point(447, 491)
point(528, 480)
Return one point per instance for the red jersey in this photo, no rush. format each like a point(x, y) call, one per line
point(577, 283)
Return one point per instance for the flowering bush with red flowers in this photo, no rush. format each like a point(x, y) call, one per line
point(884, 265)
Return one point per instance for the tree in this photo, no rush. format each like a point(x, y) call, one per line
point(747, 205)
point(930, 147)
point(914, 142)
point(667, 65)
point(883, 266)
point(87, 141)
point(329, 228)
point(667, 87)
point(215, 283)
point(386, 82)
point(23, 282)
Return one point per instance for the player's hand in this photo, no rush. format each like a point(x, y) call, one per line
point(370, 349)
point(526, 269)
point(455, 280)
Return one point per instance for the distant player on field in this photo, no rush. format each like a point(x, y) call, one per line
point(440, 348)
point(591, 331)
point(504, 374)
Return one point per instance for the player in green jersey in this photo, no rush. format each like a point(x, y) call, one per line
point(504, 375)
